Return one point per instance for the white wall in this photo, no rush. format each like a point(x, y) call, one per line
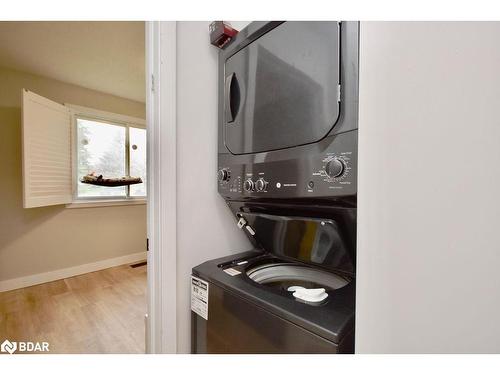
point(429, 204)
point(239, 25)
point(206, 228)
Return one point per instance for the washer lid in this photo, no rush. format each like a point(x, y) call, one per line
point(329, 243)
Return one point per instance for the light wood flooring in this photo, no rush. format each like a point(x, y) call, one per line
point(98, 312)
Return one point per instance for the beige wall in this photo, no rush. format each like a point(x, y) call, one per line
point(44, 239)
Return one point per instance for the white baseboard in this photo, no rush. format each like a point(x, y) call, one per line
point(40, 278)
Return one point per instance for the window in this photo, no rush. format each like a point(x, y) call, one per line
point(110, 149)
point(62, 143)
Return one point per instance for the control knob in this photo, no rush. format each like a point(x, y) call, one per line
point(261, 184)
point(334, 168)
point(248, 185)
point(223, 175)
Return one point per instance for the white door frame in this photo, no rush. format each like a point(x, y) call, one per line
point(161, 322)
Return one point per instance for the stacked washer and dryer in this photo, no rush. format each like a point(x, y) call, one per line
point(288, 120)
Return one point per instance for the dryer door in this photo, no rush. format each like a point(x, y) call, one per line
point(282, 89)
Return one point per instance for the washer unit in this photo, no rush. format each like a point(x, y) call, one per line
point(288, 115)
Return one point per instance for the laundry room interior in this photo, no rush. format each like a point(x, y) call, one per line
point(250, 187)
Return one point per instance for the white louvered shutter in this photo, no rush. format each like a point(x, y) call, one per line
point(47, 172)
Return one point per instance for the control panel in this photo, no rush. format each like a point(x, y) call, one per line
point(331, 173)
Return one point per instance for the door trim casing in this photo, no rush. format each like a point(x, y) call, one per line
point(161, 320)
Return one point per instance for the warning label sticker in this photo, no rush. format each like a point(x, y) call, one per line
point(199, 297)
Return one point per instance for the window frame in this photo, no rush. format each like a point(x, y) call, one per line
point(79, 112)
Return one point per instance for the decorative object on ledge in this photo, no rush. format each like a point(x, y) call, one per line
point(92, 179)
point(221, 33)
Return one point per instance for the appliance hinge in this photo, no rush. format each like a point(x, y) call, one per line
point(152, 83)
point(242, 223)
point(338, 93)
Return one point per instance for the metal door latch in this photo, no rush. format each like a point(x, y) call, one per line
point(242, 223)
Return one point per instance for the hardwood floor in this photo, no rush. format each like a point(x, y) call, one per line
point(98, 312)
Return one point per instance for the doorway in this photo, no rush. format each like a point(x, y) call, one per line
point(72, 255)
